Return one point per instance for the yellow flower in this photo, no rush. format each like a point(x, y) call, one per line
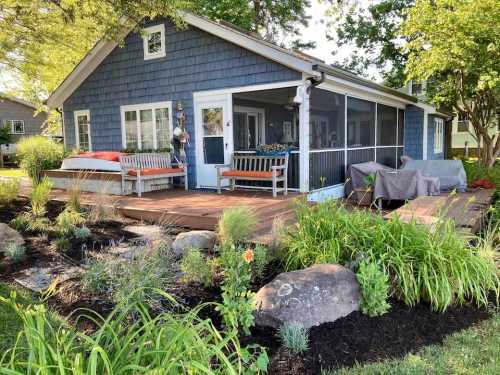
point(248, 256)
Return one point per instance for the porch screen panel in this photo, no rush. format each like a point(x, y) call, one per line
point(401, 127)
point(327, 116)
point(147, 129)
point(293, 171)
point(326, 169)
point(386, 125)
point(131, 139)
point(360, 123)
point(387, 156)
point(400, 153)
point(240, 131)
point(360, 156)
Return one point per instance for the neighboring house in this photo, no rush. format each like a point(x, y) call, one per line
point(19, 116)
point(239, 91)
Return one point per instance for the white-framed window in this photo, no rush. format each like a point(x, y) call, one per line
point(154, 42)
point(83, 138)
point(462, 123)
point(438, 135)
point(147, 126)
point(16, 126)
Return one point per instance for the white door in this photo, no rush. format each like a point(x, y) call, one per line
point(214, 137)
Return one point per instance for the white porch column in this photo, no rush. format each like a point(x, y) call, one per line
point(304, 137)
point(425, 135)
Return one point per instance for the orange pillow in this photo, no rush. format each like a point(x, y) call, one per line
point(155, 171)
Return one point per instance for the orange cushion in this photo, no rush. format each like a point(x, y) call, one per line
point(103, 155)
point(155, 171)
point(256, 174)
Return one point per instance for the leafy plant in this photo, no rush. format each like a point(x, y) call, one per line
point(374, 284)
point(294, 337)
point(9, 190)
point(14, 252)
point(197, 268)
point(261, 260)
point(37, 154)
point(19, 223)
point(236, 224)
point(67, 222)
point(163, 344)
point(39, 197)
point(439, 265)
point(369, 181)
point(62, 244)
point(96, 277)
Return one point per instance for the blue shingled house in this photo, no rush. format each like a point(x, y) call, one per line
point(255, 93)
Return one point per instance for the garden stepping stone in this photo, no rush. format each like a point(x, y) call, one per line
point(38, 279)
point(147, 232)
point(9, 236)
point(199, 239)
point(318, 294)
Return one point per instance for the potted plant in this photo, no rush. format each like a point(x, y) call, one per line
point(364, 195)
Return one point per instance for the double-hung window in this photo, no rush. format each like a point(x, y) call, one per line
point(154, 42)
point(147, 126)
point(83, 138)
point(15, 126)
point(438, 135)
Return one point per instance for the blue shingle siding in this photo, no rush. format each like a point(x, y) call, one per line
point(414, 125)
point(431, 155)
point(194, 61)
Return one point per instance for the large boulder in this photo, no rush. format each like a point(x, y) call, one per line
point(318, 294)
point(9, 236)
point(200, 239)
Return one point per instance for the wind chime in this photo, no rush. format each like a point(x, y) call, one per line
point(181, 136)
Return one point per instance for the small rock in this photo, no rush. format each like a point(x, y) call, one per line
point(38, 279)
point(200, 239)
point(147, 232)
point(8, 236)
point(318, 294)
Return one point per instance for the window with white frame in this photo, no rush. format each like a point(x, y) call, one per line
point(463, 123)
point(16, 126)
point(147, 126)
point(438, 135)
point(154, 42)
point(82, 130)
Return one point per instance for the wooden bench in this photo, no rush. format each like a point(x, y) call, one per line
point(250, 167)
point(144, 167)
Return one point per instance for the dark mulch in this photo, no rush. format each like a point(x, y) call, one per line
point(358, 338)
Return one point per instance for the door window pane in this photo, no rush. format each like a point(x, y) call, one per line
point(131, 138)
point(212, 121)
point(147, 129)
point(213, 149)
point(386, 125)
point(162, 128)
point(326, 120)
point(360, 123)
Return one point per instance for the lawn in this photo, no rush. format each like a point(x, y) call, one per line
point(472, 351)
point(12, 172)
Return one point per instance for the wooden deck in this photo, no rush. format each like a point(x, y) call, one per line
point(198, 209)
point(466, 209)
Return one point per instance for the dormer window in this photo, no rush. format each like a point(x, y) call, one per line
point(154, 42)
point(416, 88)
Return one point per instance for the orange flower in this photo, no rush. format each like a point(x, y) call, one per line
point(248, 255)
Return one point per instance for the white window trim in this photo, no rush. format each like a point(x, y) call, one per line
point(12, 128)
point(438, 135)
point(83, 112)
point(139, 107)
point(148, 31)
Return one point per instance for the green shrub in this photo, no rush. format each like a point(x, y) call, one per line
point(438, 265)
point(20, 223)
point(475, 171)
point(294, 337)
point(82, 233)
point(9, 189)
point(62, 244)
point(236, 224)
point(96, 278)
point(67, 222)
point(163, 344)
point(261, 261)
point(197, 268)
point(374, 284)
point(14, 253)
point(39, 153)
point(40, 197)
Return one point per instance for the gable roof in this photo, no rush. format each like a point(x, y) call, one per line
point(298, 61)
point(17, 100)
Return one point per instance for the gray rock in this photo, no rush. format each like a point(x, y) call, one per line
point(8, 236)
point(147, 232)
point(200, 239)
point(38, 279)
point(318, 294)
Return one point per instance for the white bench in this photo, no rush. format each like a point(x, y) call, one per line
point(255, 168)
point(144, 167)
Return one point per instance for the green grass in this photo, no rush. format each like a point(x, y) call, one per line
point(473, 351)
point(12, 172)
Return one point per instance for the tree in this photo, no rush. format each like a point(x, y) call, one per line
point(5, 138)
point(456, 45)
point(374, 28)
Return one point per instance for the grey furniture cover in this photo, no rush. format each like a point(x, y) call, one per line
point(356, 174)
point(451, 173)
point(399, 185)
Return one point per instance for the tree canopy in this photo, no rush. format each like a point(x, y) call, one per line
point(42, 40)
point(455, 45)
